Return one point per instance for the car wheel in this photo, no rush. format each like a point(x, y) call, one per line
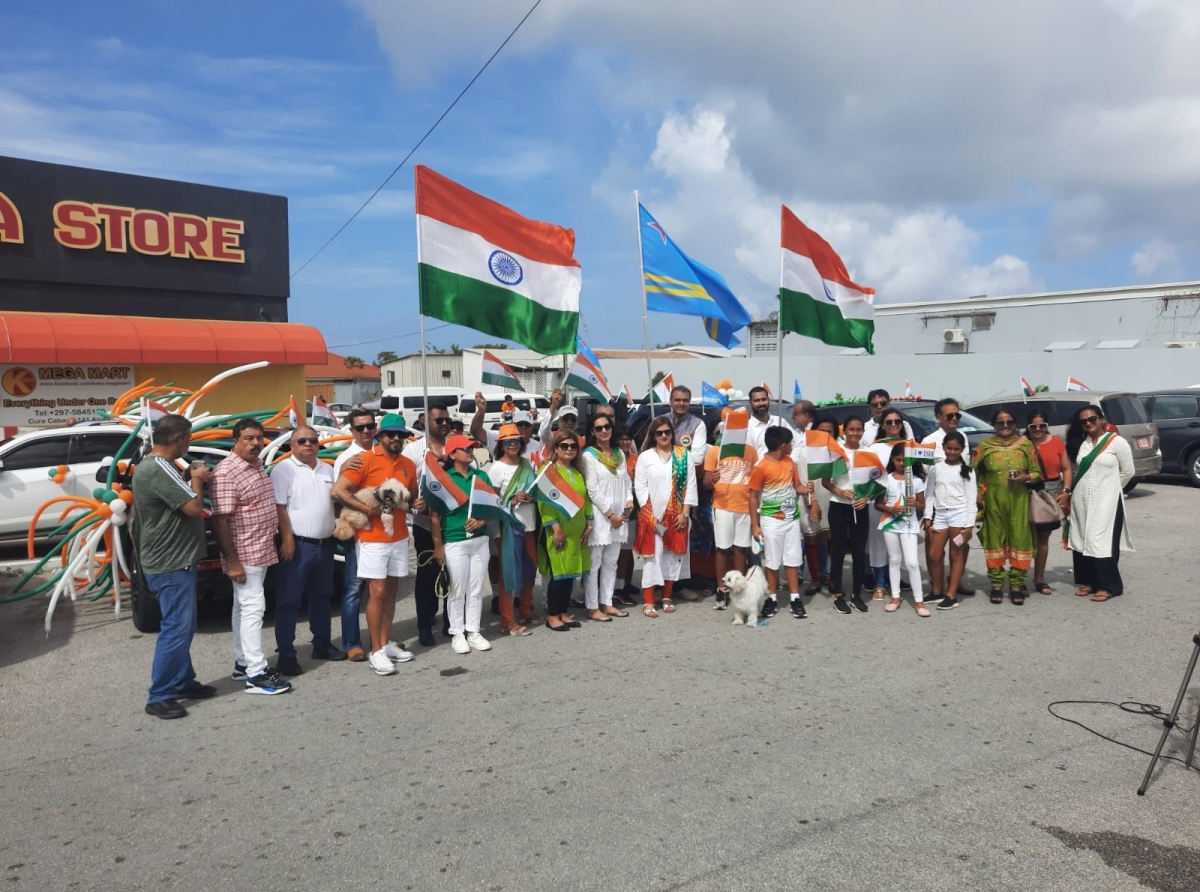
point(1129, 487)
point(146, 615)
point(1191, 467)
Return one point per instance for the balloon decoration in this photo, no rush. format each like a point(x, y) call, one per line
point(88, 542)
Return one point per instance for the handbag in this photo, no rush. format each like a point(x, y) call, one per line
point(1044, 511)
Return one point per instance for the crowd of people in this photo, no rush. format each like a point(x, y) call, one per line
point(689, 510)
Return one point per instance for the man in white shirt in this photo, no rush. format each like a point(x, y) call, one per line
point(490, 439)
point(362, 429)
point(302, 485)
point(948, 415)
point(761, 419)
point(879, 401)
point(425, 592)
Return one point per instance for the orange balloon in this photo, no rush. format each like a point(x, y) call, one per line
point(126, 496)
point(60, 478)
point(104, 510)
point(724, 384)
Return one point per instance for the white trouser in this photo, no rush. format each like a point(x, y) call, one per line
point(467, 564)
point(598, 587)
point(249, 605)
point(902, 549)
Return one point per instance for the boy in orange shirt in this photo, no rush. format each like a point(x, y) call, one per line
point(729, 479)
point(778, 486)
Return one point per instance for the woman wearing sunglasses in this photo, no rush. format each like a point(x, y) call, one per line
point(512, 475)
point(1056, 475)
point(624, 596)
point(611, 492)
point(1097, 533)
point(1006, 465)
point(891, 433)
point(563, 554)
point(664, 483)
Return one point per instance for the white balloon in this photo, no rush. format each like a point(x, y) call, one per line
point(118, 507)
point(118, 520)
point(739, 395)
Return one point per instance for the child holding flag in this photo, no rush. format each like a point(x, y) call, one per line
point(566, 513)
point(900, 524)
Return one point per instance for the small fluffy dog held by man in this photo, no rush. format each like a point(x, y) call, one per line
point(390, 496)
point(747, 594)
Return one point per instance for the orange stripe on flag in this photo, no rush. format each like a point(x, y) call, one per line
point(799, 239)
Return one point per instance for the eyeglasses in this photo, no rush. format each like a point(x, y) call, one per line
point(365, 427)
point(1038, 427)
point(305, 441)
point(601, 427)
point(1090, 418)
point(662, 433)
point(952, 416)
point(570, 446)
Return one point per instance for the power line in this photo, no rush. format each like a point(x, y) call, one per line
point(410, 334)
point(421, 141)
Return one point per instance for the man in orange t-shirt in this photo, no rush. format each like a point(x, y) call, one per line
point(729, 479)
point(382, 559)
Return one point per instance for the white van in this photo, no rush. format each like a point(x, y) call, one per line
point(493, 414)
point(410, 401)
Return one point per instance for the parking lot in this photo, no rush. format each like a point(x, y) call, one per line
point(842, 753)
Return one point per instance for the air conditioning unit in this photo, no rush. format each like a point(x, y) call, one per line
point(1185, 345)
point(953, 336)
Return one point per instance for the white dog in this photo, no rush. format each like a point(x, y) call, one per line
point(391, 495)
point(747, 594)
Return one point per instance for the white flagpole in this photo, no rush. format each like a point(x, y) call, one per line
point(637, 211)
point(779, 338)
point(470, 493)
point(424, 367)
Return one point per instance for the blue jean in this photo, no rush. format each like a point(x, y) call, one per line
point(309, 572)
point(352, 592)
point(172, 669)
point(880, 576)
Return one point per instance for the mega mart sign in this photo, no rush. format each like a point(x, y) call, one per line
point(52, 395)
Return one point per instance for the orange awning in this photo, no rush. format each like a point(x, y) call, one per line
point(66, 338)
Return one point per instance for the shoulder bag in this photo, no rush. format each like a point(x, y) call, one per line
point(1044, 511)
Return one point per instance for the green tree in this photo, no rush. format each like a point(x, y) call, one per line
point(665, 346)
point(500, 346)
point(354, 362)
point(385, 356)
point(658, 376)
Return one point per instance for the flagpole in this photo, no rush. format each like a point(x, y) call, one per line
point(424, 366)
point(779, 338)
point(637, 211)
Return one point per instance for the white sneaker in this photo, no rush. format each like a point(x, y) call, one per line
point(396, 653)
point(478, 642)
point(381, 664)
point(459, 644)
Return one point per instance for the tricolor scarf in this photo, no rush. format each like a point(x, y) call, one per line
point(610, 462)
point(674, 541)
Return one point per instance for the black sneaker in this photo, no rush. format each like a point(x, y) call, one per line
point(269, 683)
point(425, 636)
point(198, 691)
point(288, 666)
point(330, 652)
point(948, 604)
point(798, 610)
point(934, 599)
point(166, 709)
point(239, 672)
point(770, 608)
point(840, 605)
point(904, 586)
point(575, 602)
point(859, 604)
point(721, 601)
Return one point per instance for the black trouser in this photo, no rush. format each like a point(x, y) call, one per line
point(848, 531)
point(1102, 574)
point(558, 596)
point(425, 593)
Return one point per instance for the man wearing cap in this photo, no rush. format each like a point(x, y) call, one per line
point(428, 567)
point(567, 418)
point(382, 559)
point(302, 486)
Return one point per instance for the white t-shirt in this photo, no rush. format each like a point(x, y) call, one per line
point(938, 437)
point(304, 493)
point(756, 433)
point(911, 523)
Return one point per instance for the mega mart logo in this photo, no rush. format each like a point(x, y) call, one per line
point(19, 381)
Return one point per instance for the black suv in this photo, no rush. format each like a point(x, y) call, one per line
point(1177, 415)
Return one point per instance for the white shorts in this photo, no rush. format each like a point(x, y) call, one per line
point(731, 528)
point(959, 519)
point(782, 543)
point(379, 560)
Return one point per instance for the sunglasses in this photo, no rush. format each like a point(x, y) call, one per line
point(601, 427)
point(389, 435)
point(662, 433)
point(1006, 424)
point(510, 442)
point(881, 404)
point(441, 421)
point(1090, 418)
point(952, 416)
point(305, 441)
point(1038, 427)
point(570, 446)
point(892, 421)
point(365, 427)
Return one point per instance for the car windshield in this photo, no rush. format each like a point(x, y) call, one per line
point(924, 418)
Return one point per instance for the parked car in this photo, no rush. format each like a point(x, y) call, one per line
point(27, 463)
point(920, 416)
point(640, 417)
point(1176, 414)
point(340, 411)
point(1123, 411)
point(493, 413)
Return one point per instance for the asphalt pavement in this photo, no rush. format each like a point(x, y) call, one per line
point(876, 751)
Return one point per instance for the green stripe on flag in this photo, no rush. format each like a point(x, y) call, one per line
point(827, 470)
point(496, 311)
point(823, 320)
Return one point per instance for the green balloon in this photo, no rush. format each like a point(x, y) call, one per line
point(108, 496)
point(98, 492)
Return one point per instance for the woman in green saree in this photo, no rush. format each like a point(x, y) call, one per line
point(563, 553)
point(1006, 465)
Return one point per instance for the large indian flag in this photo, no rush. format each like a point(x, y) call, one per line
point(817, 297)
point(497, 372)
point(485, 266)
point(824, 455)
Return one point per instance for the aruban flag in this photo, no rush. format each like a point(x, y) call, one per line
point(321, 410)
point(551, 489)
point(441, 493)
point(889, 521)
point(485, 266)
point(817, 297)
point(866, 474)
point(1074, 384)
point(496, 371)
point(295, 416)
point(663, 388)
point(711, 397)
point(1026, 388)
point(583, 375)
point(918, 454)
point(487, 504)
point(733, 436)
point(826, 458)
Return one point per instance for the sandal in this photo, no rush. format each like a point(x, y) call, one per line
point(668, 607)
point(1018, 597)
point(996, 596)
point(517, 631)
point(617, 612)
point(648, 610)
point(1042, 589)
point(1083, 591)
point(878, 595)
point(1101, 596)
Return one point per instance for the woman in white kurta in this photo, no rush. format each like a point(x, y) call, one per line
point(1104, 465)
point(891, 432)
point(611, 492)
point(662, 470)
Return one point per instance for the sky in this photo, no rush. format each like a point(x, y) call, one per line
point(944, 149)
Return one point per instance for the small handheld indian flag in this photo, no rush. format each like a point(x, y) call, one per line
point(866, 472)
point(733, 437)
point(295, 416)
point(441, 493)
point(321, 410)
point(1027, 389)
point(918, 454)
point(495, 370)
point(663, 388)
point(585, 376)
point(1075, 385)
point(487, 504)
point(551, 489)
point(152, 411)
point(890, 521)
point(826, 458)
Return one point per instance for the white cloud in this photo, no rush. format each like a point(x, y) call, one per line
point(1156, 258)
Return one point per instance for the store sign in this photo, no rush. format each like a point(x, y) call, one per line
point(52, 395)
